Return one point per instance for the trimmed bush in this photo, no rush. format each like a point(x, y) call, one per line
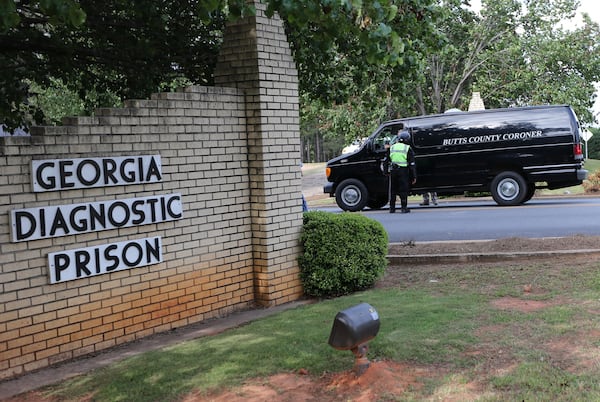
point(342, 253)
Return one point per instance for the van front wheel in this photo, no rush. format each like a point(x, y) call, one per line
point(378, 201)
point(509, 188)
point(351, 195)
point(530, 192)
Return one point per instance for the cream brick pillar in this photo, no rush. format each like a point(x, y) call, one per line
point(256, 57)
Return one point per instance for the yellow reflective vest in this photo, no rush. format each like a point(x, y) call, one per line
point(399, 154)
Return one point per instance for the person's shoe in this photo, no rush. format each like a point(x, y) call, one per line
point(405, 210)
point(392, 210)
point(435, 203)
point(424, 203)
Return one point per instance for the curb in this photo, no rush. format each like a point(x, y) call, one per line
point(485, 257)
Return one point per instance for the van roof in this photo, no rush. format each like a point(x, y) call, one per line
point(499, 110)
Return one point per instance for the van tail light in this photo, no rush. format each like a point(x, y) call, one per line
point(328, 171)
point(577, 149)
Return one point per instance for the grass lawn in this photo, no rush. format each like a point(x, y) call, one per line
point(492, 332)
point(592, 165)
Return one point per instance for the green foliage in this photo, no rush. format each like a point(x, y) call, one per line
point(342, 49)
point(105, 56)
point(57, 101)
point(448, 72)
point(69, 12)
point(318, 144)
point(56, 12)
point(339, 125)
point(103, 46)
point(513, 55)
point(535, 60)
point(342, 253)
point(358, 60)
point(368, 25)
point(8, 15)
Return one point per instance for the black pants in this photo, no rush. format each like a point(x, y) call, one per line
point(399, 185)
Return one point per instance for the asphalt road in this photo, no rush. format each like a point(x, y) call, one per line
point(482, 219)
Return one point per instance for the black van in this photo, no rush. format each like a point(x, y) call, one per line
point(507, 152)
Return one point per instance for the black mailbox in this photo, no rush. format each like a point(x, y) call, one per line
point(354, 326)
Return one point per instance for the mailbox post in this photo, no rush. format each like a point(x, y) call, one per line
point(352, 329)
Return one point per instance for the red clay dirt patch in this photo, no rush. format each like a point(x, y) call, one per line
point(382, 381)
point(32, 396)
point(522, 305)
point(510, 244)
point(577, 352)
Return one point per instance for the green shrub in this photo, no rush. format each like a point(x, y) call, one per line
point(342, 253)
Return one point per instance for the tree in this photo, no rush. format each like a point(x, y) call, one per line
point(541, 62)
point(55, 11)
point(327, 129)
point(445, 73)
point(359, 62)
point(102, 46)
point(346, 94)
point(105, 54)
point(514, 53)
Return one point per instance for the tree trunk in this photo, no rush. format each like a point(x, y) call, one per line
point(318, 156)
point(420, 101)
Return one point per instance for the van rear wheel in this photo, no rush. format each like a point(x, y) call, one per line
point(351, 195)
point(509, 188)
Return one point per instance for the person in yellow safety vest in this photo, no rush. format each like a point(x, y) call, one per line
point(403, 171)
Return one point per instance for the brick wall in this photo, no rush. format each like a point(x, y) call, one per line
point(232, 152)
point(260, 62)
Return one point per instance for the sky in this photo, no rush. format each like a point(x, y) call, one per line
point(592, 7)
